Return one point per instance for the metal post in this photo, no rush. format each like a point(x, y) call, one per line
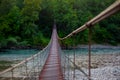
point(21, 68)
point(63, 61)
point(74, 56)
point(39, 69)
point(89, 54)
point(26, 68)
point(38, 62)
point(74, 65)
point(68, 64)
point(33, 67)
point(41, 60)
point(64, 65)
point(12, 74)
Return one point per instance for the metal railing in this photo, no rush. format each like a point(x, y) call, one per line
point(30, 68)
point(114, 8)
point(27, 69)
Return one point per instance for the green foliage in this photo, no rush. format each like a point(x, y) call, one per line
point(29, 22)
point(3, 41)
point(30, 13)
point(5, 6)
point(31, 9)
point(15, 20)
point(11, 41)
point(23, 43)
point(39, 39)
point(101, 35)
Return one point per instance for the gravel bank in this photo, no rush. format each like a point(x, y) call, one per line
point(104, 67)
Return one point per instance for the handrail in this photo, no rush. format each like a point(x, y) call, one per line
point(115, 7)
point(76, 66)
point(24, 61)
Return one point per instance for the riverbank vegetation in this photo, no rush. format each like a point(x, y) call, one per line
point(30, 22)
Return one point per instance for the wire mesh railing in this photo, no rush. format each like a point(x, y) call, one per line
point(70, 68)
point(30, 68)
point(69, 63)
point(27, 69)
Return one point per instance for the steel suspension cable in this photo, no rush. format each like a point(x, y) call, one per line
point(114, 8)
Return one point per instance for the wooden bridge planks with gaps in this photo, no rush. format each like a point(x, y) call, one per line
point(52, 69)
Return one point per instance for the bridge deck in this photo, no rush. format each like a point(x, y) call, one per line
point(52, 68)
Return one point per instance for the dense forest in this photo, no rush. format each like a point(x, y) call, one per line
point(30, 22)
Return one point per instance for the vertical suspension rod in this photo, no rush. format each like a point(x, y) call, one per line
point(74, 56)
point(89, 53)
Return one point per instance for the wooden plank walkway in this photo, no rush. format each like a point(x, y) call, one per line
point(52, 69)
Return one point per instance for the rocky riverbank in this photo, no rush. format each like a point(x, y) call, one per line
point(99, 60)
point(103, 66)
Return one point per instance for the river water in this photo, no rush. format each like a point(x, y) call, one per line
point(84, 51)
point(17, 54)
point(22, 54)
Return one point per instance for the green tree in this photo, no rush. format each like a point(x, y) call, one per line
point(15, 20)
point(5, 6)
point(30, 12)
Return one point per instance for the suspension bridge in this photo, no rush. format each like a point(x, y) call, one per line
point(51, 63)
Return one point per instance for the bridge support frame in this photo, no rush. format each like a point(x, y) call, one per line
point(89, 52)
point(74, 55)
